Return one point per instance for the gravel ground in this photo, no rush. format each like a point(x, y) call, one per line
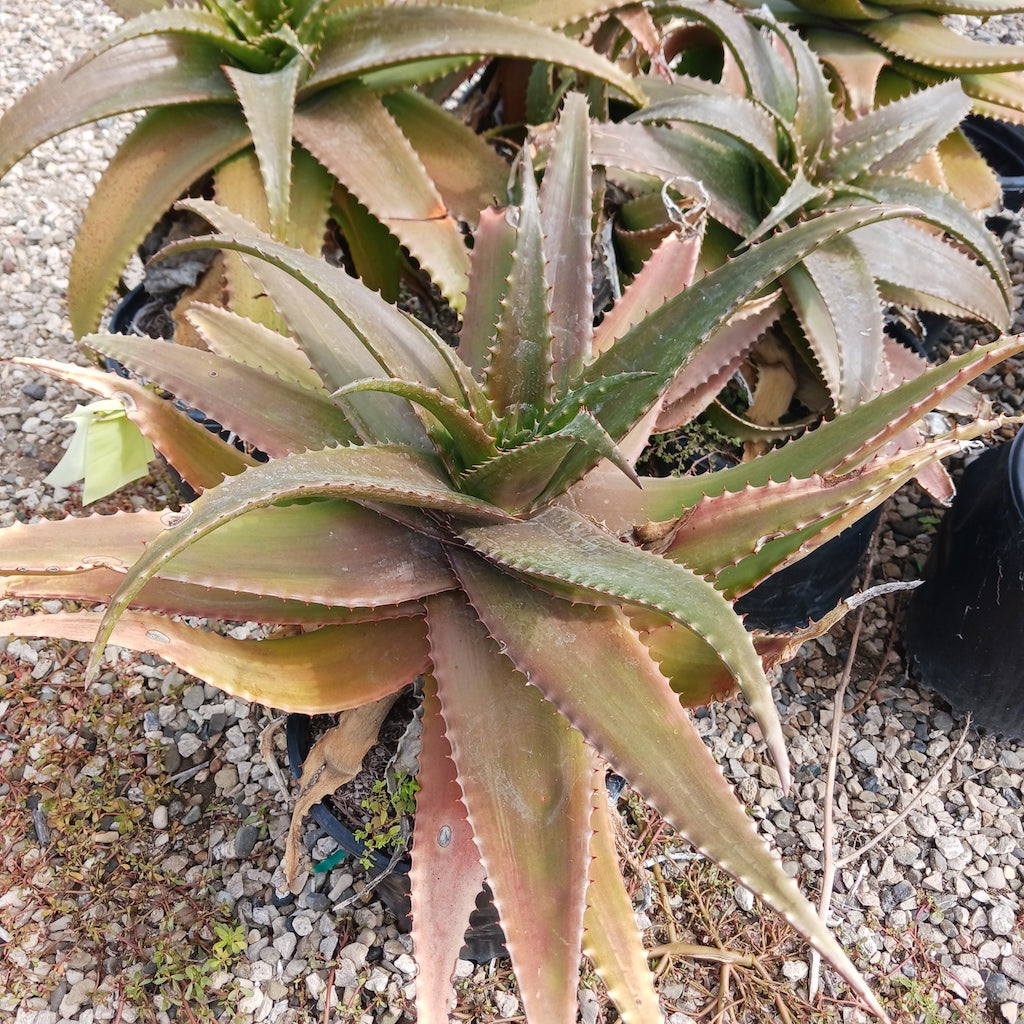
point(946, 880)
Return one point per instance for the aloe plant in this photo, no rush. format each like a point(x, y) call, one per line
point(776, 153)
point(321, 94)
point(877, 50)
point(474, 516)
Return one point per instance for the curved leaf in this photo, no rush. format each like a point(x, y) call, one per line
point(336, 123)
point(922, 38)
point(169, 597)
point(165, 153)
point(465, 169)
point(277, 417)
point(151, 72)
point(201, 458)
point(892, 137)
point(390, 474)
point(332, 553)
point(373, 38)
point(562, 551)
point(295, 673)
point(231, 336)
point(610, 937)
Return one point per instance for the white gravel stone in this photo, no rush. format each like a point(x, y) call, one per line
point(1001, 919)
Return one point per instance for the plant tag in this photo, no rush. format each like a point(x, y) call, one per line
point(107, 451)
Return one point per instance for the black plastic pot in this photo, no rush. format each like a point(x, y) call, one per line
point(964, 630)
point(1002, 146)
point(792, 597)
point(484, 939)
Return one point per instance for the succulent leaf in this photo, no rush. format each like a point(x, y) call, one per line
point(446, 872)
point(331, 552)
point(268, 101)
point(518, 375)
point(610, 937)
point(294, 673)
point(592, 681)
point(529, 807)
point(566, 204)
point(143, 173)
point(562, 549)
point(335, 123)
point(360, 41)
point(275, 416)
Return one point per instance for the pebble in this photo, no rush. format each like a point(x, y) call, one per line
point(245, 840)
point(285, 944)
point(1001, 919)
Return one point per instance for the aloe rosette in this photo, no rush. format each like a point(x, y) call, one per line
point(319, 97)
point(764, 148)
point(474, 517)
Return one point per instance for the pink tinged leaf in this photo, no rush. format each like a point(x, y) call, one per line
point(594, 669)
point(332, 553)
point(669, 270)
point(231, 336)
point(566, 203)
point(566, 553)
point(526, 777)
point(490, 266)
point(268, 101)
point(386, 474)
point(145, 73)
point(97, 586)
point(694, 388)
point(834, 295)
point(167, 151)
point(202, 458)
point(294, 673)
point(610, 937)
point(466, 170)
point(347, 331)
point(446, 872)
point(277, 417)
point(349, 119)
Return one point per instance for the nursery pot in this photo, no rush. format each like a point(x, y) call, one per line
point(484, 940)
point(1002, 146)
point(806, 590)
point(964, 624)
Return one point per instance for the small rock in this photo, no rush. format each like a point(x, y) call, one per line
point(79, 994)
point(357, 953)
point(188, 744)
point(506, 1004)
point(193, 697)
point(795, 970)
point(865, 753)
point(160, 817)
point(997, 987)
point(378, 980)
point(1013, 967)
point(285, 944)
point(345, 974)
point(301, 924)
point(1001, 919)
point(967, 976)
point(245, 840)
point(744, 898)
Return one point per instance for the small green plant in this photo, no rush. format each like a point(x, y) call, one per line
point(389, 807)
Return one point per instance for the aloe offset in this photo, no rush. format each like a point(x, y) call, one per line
point(473, 516)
